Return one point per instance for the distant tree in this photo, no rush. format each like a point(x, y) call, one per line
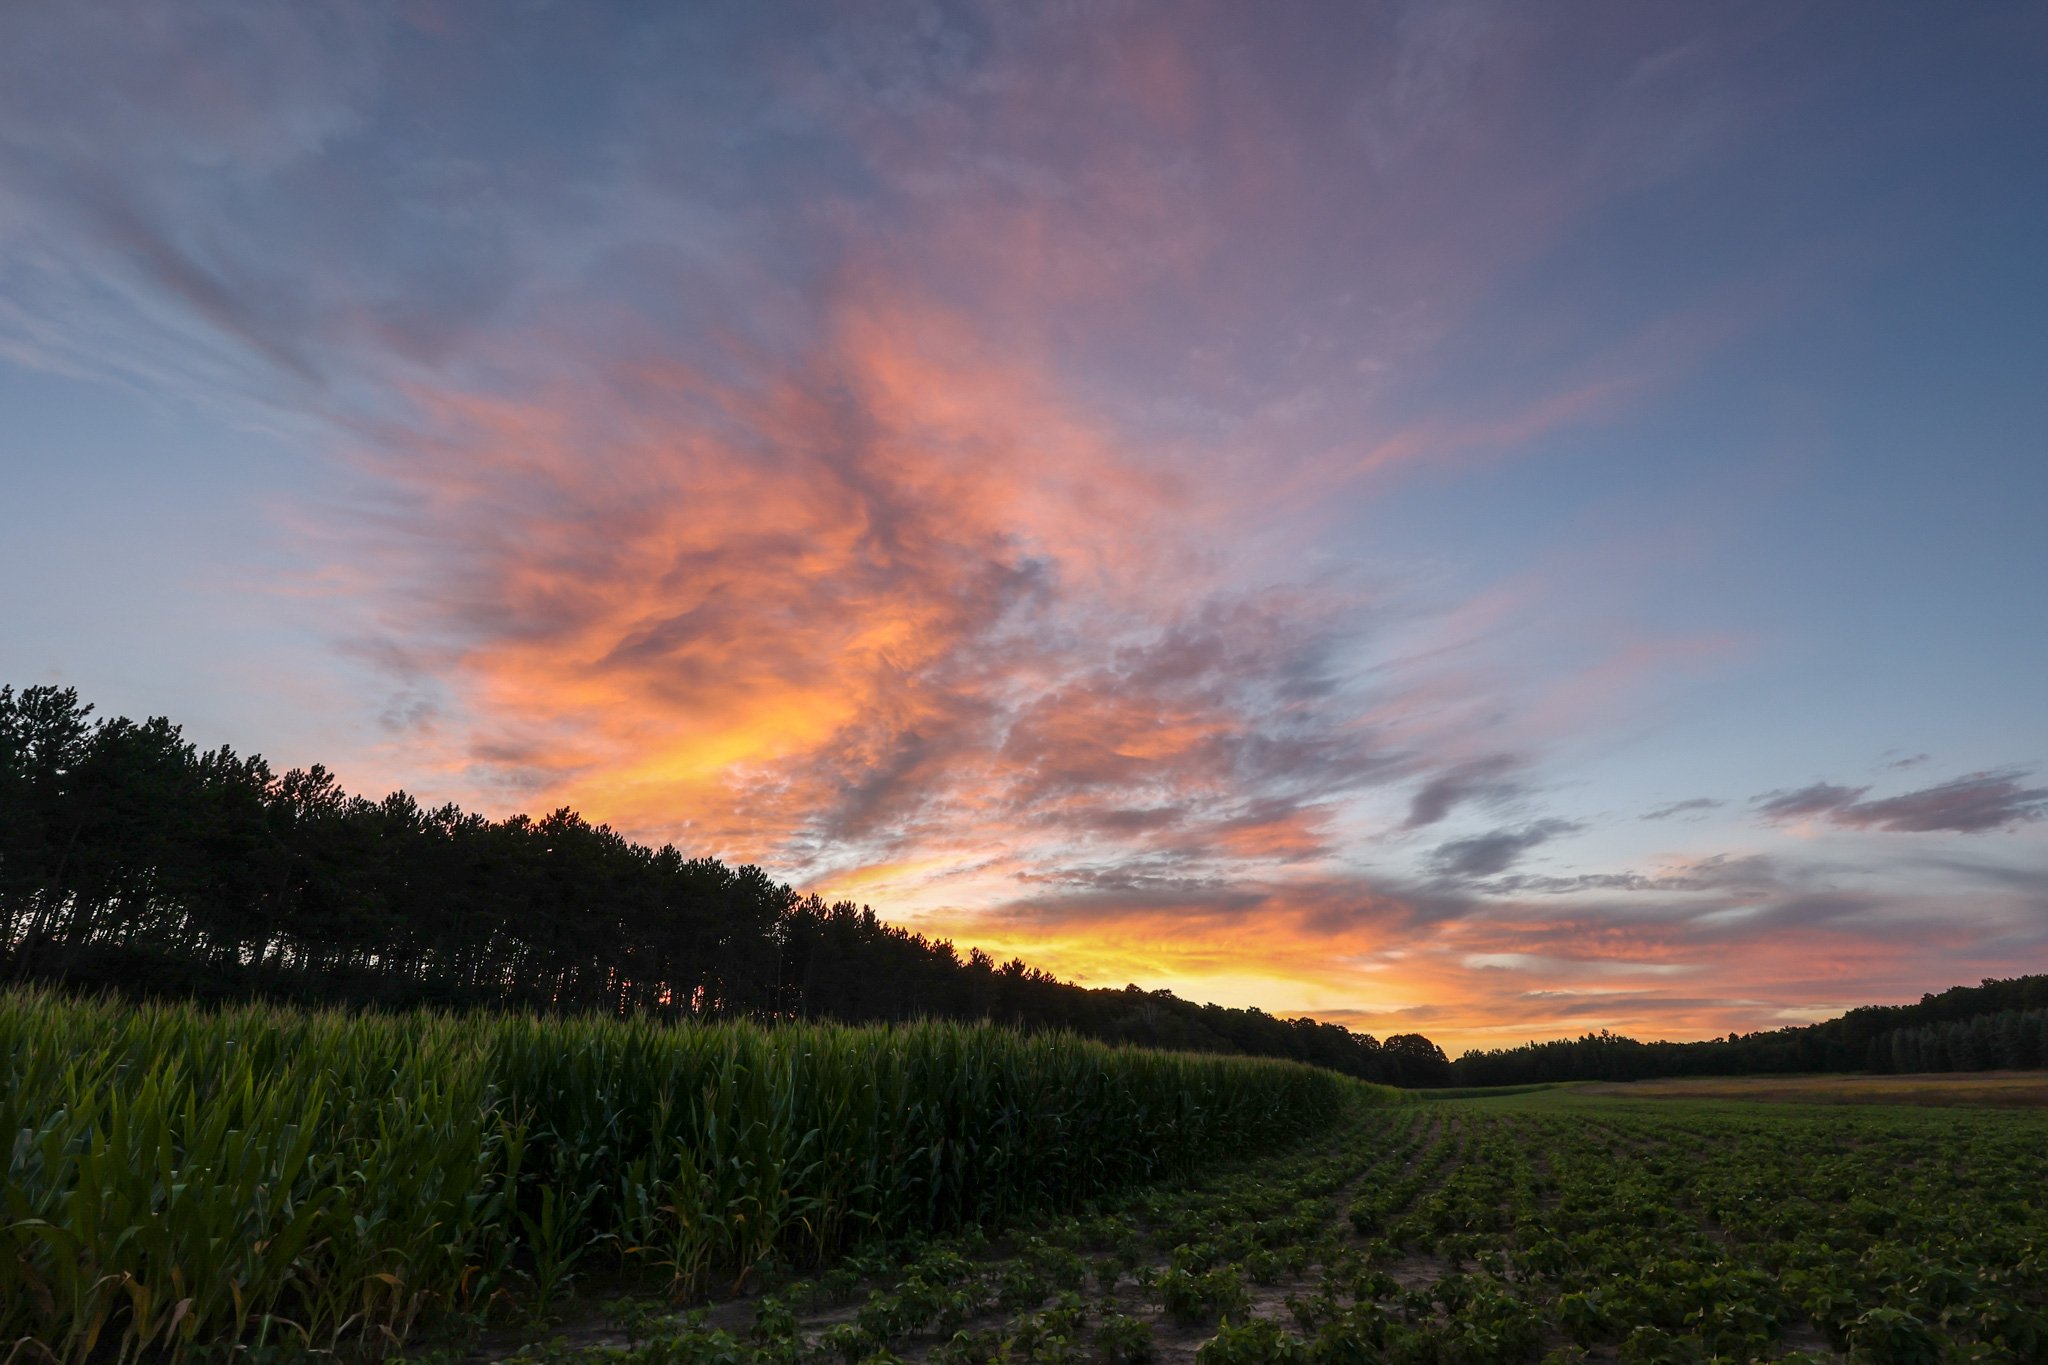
point(1416, 1061)
point(2033, 1032)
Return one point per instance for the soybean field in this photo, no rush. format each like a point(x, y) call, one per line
point(1532, 1227)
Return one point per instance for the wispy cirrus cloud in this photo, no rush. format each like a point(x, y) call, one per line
point(1968, 805)
point(1487, 855)
point(1489, 780)
point(1685, 807)
point(1974, 804)
point(1822, 798)
point(1739, 878)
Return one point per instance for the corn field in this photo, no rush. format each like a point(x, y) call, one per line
point(180, 1177)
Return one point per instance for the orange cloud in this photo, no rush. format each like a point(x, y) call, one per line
point(934, 577)
point(905, 621)
point(902, 592)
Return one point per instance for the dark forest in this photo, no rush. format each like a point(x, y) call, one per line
point(1998, 1025)
point(133, 862)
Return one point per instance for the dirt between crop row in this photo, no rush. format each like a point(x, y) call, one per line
point(1998, 1089)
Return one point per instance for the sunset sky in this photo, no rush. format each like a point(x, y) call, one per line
point(1494, 520)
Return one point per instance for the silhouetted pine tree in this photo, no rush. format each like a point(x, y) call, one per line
point(129, 861)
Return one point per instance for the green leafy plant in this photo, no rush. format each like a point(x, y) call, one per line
point(1123, 1340)
point(1190, 1296)
point(1256, 1341)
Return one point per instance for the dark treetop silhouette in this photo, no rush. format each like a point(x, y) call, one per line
point(1998, 1024)
point(131, 861)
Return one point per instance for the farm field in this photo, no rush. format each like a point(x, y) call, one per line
point(2009, 1089)
point(182, 1179)
point(269, 1183)
point(1547, 1226)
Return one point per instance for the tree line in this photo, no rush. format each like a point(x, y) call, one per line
point(132, 861)
point(2000, 1024)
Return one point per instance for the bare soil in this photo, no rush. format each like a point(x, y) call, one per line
point(1999, 1089)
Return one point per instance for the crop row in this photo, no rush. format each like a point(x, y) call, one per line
point(1545, 1228)
point(179, 1177)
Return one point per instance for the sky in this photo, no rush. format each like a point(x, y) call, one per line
point(1483, 519)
